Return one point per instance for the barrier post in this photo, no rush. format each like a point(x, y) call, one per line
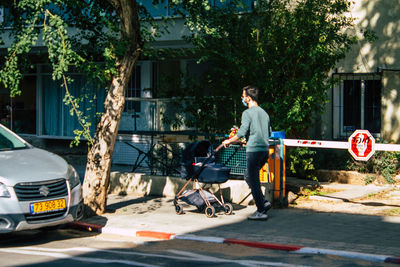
point(274, 170)
point(282, 184)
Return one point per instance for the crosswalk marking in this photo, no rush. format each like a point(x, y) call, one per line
point(60, 253)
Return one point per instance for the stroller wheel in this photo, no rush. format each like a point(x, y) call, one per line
point(210, 211)
point(228, 208)
point(178, 209)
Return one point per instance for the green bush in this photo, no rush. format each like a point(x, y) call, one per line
point(300, 162)
point(331, 159)
point(384, 163)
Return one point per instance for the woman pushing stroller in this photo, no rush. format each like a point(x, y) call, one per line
point(255, 126)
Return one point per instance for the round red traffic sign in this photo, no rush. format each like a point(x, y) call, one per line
point(361, 145)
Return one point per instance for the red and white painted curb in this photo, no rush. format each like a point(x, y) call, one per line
point(290, 248)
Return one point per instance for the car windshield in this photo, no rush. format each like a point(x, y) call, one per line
point(8, 141)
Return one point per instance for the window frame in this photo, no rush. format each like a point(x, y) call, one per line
point(363, 78)
point(136, 73)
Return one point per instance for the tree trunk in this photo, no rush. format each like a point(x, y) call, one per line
point(97, 176)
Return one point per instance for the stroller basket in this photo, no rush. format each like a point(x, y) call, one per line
point(198, 165)
point(194, 197)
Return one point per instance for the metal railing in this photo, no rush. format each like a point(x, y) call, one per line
point(153, 115)
point(171, 114)
point(153, 133)
point(154, 153)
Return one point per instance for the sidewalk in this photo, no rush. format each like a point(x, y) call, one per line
point(143, 206)
point(374, 238)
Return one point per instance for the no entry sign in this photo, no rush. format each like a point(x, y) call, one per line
point(361, 145)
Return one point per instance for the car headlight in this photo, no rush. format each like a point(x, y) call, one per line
point(4, 191)
point(73, 177)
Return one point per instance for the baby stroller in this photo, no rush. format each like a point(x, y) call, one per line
point(198, 165)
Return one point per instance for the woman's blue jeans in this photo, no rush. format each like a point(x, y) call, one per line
point(255, 161)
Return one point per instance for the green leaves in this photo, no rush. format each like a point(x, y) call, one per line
point(301, 162)
point(32, 19)
point(284, 48)
point(59, 47)
point(10, 74)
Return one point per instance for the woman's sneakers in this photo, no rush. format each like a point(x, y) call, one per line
point(267, 206)
point(259, 216)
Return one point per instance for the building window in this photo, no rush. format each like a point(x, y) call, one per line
point(56, 117)
point(351, 104)
point(162, 8)
point(360, 103)
point(1, 14)
point(156, 10)
point(19, 113)
point(133, 90)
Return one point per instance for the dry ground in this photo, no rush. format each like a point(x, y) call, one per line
point(386, 203)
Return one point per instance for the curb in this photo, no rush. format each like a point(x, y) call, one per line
point(289, 248)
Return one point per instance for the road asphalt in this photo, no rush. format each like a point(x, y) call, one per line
point(374, 238)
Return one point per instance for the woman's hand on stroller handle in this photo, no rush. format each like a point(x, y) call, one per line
point(228, 142)
point(219, 147)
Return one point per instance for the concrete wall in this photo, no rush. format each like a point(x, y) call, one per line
point(391, 106)
point(383, 18)
point(173, 38)
point(234, 191)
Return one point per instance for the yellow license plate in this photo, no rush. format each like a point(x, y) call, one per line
point(46, 206)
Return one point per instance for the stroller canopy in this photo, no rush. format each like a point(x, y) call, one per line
point(193, 150)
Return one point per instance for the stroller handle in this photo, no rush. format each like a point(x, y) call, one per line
point(219, 147)
point(222, 145)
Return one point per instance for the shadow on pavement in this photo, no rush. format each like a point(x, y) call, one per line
point(373, 204)
point(111, 208)
point(340, 231)
point(294, 226)
point(41, 236)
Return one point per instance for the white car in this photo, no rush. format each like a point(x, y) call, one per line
point(37, 188)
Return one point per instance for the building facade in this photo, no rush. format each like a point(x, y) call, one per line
point(366, 95)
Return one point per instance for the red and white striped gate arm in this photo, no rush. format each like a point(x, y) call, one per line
point(387, 147)
point(335, 144)
point(315, 143)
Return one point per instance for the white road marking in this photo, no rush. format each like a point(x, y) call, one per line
point(27, 252)
point(348, 254)
point(242, 262)
point(183, 256)
point(82, 259)
point(82, 249)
